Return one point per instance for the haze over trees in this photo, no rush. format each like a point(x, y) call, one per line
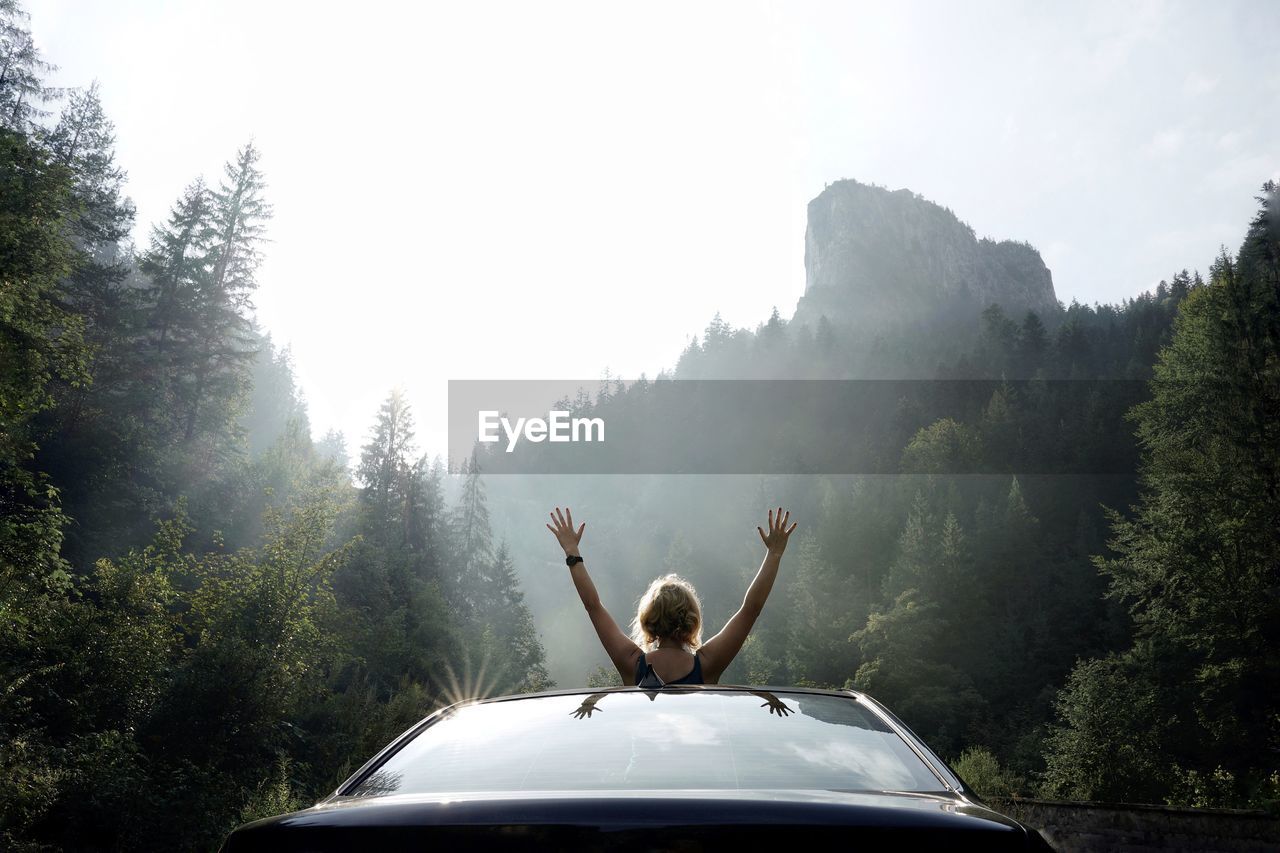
point(202, 618)
point(1071, 579)
point(205, 619)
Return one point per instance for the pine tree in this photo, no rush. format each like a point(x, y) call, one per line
point(1033, 344)
point(176, 266)
point(503, 610)
point(717, 333)
point(1072, 348)
point(1001, 439)
point(821, 613)
point(903, 647)
point(22, 73)
point(1199, 561)
point(275, 403)
point(917, 559)
point(225, 348)
point(40, 341)
point(474, 537)
point(84, 142)
point(772, 333)
point(999, 339)
point(954, 567)
point(384, 469)
point(333, 447)
point(426, 522)
point(824, 341)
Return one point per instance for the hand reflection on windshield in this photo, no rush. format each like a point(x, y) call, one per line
point(589, 705)
point(773, 703)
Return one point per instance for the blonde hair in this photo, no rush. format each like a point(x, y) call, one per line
point(668, 608)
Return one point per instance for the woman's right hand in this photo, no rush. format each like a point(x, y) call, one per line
point(564, 532)
point(775, 541)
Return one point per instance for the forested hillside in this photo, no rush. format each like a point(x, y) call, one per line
point(1073, 594)
point(202, 618)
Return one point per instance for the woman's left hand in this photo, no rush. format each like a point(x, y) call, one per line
point(564, 531)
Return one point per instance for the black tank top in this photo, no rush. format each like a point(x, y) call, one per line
point(646, 677)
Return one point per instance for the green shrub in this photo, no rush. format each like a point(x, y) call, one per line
point(982, 771)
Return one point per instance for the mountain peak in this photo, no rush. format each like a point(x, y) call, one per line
point(877, 259)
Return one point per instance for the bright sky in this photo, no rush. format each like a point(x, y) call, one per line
point(547, 190)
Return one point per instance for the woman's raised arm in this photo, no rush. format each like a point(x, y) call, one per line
point(720, 650)
point(621, 649)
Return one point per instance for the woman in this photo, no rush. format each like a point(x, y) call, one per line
point(666, 643)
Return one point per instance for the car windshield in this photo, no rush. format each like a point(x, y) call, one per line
point(655, 740)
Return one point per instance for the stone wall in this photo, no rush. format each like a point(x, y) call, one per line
point(1102, 827)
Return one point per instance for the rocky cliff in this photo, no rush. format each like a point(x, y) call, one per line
point(877, 260)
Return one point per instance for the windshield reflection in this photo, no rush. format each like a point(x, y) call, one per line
point(669, 740)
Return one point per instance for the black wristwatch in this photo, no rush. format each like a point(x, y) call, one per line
point(572, 561)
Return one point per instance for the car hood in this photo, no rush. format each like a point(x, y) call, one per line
point(627, 819)
point(658, 806)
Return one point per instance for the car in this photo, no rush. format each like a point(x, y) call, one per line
point(685, 767)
